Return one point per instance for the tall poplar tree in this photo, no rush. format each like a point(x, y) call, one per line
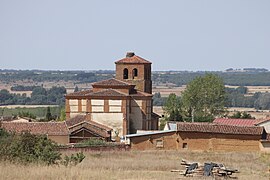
point(204, 97)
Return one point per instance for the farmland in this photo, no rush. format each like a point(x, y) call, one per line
point(140, 165)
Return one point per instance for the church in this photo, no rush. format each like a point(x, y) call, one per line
point(123, 103)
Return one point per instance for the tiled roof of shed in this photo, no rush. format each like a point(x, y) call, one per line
point(218, 128)
point(111, 82)
point(79, 119)
point(75, 120)
point(133, 60)
point(50, 128)
point(261, 121)
point(236, 122)
point(92, 126)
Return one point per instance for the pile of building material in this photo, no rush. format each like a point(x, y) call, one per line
point(194, 169)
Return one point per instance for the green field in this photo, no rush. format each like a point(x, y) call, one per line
point(39, 112)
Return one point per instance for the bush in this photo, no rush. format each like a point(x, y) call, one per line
point(73, 159)
point(28, 148)
point(91, 142)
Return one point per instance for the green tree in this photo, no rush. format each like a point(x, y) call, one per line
point(236, 115)
point(76, 89)
point(242, 115)
point(62, 114)
point(172, 108)
point(204, 97)
point(48, 114)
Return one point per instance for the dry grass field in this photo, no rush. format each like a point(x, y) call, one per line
point(140, 165)
point(165, 91)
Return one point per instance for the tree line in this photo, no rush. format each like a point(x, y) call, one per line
point(39, 96)
point(229, 78)
point(42, 76)
point(249, 78)
point(234, 97)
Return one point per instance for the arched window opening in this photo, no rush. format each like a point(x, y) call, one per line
point(125, 73)
point(135, 73)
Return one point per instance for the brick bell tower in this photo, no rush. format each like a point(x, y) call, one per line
point(135, 70)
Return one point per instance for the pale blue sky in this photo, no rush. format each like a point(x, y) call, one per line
point(173, 34)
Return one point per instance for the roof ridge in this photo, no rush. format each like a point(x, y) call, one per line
point(134, 59)
point(111, 79)
point(107, 90)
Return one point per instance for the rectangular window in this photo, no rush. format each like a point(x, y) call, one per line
point(184, 146)
point(159, 144)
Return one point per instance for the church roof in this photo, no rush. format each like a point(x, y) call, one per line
point(131, 58)
point(107, 92)
point(139, 93)
point(80, 93)
point(111, 82)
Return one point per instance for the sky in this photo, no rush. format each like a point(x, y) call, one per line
point(207, 35)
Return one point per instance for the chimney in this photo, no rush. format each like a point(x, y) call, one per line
point(130, 54)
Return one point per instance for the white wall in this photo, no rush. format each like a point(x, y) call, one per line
point(115, 102)
point(97, 102)
point(113, 120)
point(266, 126)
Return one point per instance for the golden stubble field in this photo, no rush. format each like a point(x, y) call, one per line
point(140, 165)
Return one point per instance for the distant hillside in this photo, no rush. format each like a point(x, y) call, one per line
point(41, 76)
point(229, 78)
point(245, 77)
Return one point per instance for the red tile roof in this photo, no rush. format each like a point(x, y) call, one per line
point(79, 119)
point(107, 92)
point(140, 93)
point(75, 120)
point(47, 128)
point(80, 93)
point(236, 122)
point(262, 121)
point(133, 60)
point(79, 122)
point(218, 128)
point(111, 82)
point(93, 127)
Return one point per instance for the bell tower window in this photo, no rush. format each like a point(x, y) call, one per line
point(125, 73)
point(135, 73)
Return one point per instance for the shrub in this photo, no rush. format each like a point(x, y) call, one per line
point(28, 148)
point(91, 142)
point(73, 159)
